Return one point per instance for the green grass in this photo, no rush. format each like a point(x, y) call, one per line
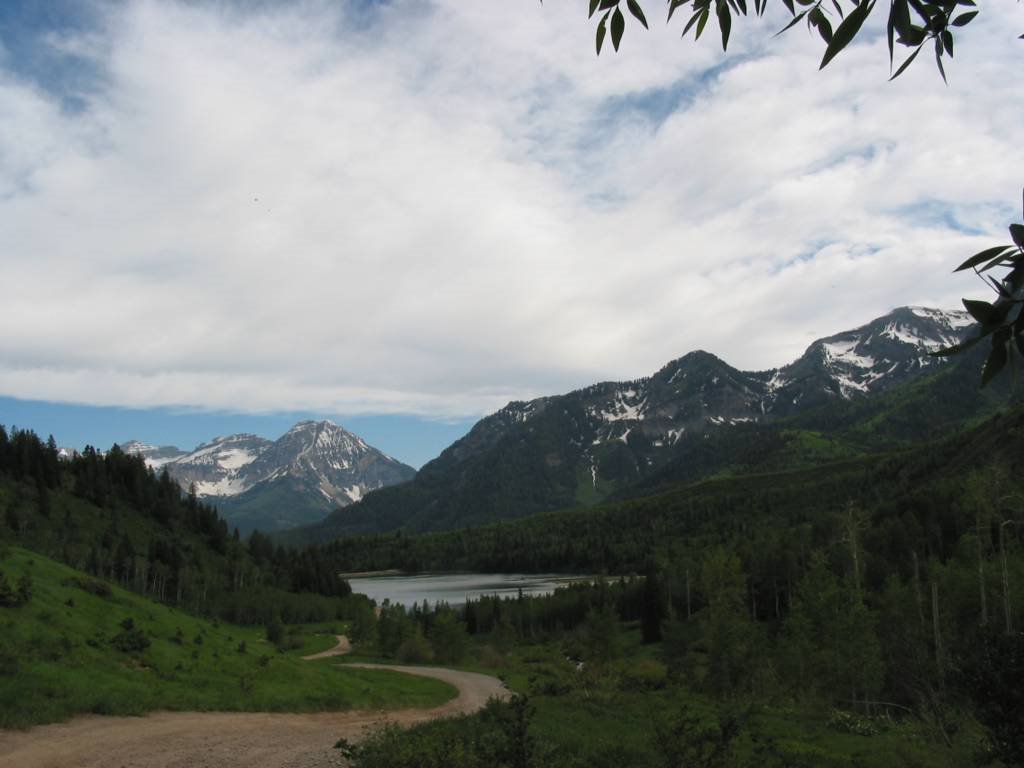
point(606, 722)
point(805, 447)
point(57, 659)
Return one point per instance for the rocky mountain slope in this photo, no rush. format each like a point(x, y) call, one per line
point(315, 467)
point(695, 414)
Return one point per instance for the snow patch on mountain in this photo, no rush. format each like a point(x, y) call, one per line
point(845, 352)
point(624, 407)
point(954, 318)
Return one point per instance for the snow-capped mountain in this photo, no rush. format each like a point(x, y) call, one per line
point(699, 390)
point(315, 467)
point(580, 447)
point(868, 359)
point(338, 464)
point(155, 456)
point(219, 467)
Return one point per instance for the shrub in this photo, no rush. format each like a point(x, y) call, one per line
point(848, 722)
point(24, 591)
point(644, 675)
point(130, 639)
point(7, 596)
point(92, 586)
point(415, 650)
point(275, 631)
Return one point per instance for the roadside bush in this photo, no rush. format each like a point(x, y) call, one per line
point(497, 737)
point(552, 680)
point(415, 650)
point(491, 657)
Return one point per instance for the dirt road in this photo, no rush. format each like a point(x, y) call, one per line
point(343, 647)
point(225, 739)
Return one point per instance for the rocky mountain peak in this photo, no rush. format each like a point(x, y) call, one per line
point(316, 460)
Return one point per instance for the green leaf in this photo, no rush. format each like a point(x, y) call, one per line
point(636, 10)
point(793, 22)
point(1004, 260)
point(618, 27)
point(672, 8)
point(913, 35)
point(705, 14)
point(981, 311)
point(907, 63)
point(847, 31)
point(996, 359)
point(602, 30)
point(980, 258)
point(593, 8)
point(964, 18)
point(725, 22)
point(938, 59)
point(817, 19)
point(1017, 233)
point(691, 22)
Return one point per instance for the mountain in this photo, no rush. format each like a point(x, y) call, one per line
point(155, 456)
point(695, 417)
point(297, 479)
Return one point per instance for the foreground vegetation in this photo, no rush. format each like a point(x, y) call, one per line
point(72, 644)
point(627, 706)
point(114, 518)
point(865, 613)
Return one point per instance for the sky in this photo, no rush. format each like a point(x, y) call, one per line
point(221, 216)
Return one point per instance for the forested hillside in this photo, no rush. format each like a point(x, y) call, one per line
point(695, 418)
point(111, 516)
point(867, 612)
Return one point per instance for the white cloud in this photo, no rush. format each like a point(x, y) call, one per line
point(436, 207)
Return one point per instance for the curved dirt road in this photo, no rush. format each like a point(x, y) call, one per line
point(343, 647)
point(226, 739)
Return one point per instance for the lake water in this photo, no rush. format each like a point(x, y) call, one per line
point(455, 588)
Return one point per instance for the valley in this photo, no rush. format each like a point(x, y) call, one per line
point(780, 558)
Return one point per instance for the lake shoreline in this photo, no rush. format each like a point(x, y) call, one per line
point(455, 588)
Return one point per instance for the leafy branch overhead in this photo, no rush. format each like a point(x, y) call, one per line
point(912, 24)
point(1003, 319)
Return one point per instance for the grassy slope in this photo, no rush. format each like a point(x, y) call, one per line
point(57, 660)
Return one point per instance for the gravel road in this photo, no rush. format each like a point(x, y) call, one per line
point(226, 739)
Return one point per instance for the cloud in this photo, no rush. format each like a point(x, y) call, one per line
point(437, 207)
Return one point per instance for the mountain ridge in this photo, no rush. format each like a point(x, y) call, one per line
point(316, 466)
point(584, 446)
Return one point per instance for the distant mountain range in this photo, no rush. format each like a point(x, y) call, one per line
point(694, 417)
point(297, 479)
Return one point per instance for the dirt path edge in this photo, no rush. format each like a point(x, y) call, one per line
point(228, 739)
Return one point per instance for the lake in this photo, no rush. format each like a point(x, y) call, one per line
point(455, 588)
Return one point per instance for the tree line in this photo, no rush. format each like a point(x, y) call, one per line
point(112, 516)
